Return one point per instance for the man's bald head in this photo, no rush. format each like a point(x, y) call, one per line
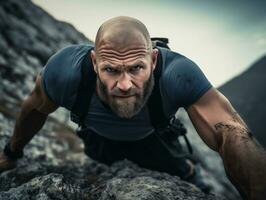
point(124, 60)
point(122, 32)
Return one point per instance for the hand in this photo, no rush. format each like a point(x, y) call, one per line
point(6, 163)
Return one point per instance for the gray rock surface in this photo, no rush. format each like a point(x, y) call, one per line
point(54, 166)
point(50, 170)
point(28, 37)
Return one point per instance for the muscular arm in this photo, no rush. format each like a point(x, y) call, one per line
point(33, 114)
point(223, 130)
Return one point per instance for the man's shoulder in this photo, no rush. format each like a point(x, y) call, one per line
point(182, 81)
point(170, 54)
point(61, 74)
point(70, 50)
point(174, 62)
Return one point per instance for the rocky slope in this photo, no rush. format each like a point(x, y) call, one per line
point(54, 166)
point(29, 36)
point(50, 170)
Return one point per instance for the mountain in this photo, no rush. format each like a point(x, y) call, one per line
point(247, 93)
point(54, 165)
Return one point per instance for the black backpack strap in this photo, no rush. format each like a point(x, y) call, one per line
point(160, 42)
point(178, 129)
point(155, 104)
point(85, 91)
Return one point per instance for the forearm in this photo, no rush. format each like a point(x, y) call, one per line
point(224, 131)
point(244, 159)
point(28, 123)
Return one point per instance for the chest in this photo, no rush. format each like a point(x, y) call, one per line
point(103, 121)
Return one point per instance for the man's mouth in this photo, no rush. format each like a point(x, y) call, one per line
point(123, 96)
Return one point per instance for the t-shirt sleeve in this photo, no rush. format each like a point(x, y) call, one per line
point(61, 75)
point(184, 82)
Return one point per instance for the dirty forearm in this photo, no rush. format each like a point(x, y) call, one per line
point(28, 123)
point(244, 159)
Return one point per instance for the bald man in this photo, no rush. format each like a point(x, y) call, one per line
point(118, 124)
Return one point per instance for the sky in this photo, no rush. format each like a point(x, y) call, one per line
point(224, 37)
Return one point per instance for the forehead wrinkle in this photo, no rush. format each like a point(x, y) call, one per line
point(124, 57)
point(115, 55)
point(123, 52)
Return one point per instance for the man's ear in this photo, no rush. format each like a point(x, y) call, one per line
point(154, 58)
point(93, 59)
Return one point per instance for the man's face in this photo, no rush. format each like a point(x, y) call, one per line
point(124, 77)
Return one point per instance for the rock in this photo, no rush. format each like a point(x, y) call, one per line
point(91, 180)
point(50, 170)
point(149, 185)
point(51, 186)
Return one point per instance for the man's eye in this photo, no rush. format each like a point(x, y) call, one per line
point(110, 70)
point(135, 68)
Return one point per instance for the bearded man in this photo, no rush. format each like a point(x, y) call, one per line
point(120, 123)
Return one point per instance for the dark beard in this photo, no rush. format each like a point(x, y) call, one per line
point(126, 109)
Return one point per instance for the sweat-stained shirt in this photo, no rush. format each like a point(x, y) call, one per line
point(182, 83)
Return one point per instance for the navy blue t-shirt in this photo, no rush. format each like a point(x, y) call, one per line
point(182, 83)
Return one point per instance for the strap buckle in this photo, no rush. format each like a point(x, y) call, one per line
point(178, 128)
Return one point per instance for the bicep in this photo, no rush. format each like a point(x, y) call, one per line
point(39, 100)
point(210, 112)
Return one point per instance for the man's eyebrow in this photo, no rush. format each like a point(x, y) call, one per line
point(140, 62)
point(109, 65)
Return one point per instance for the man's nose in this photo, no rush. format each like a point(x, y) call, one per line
point(124, 83)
